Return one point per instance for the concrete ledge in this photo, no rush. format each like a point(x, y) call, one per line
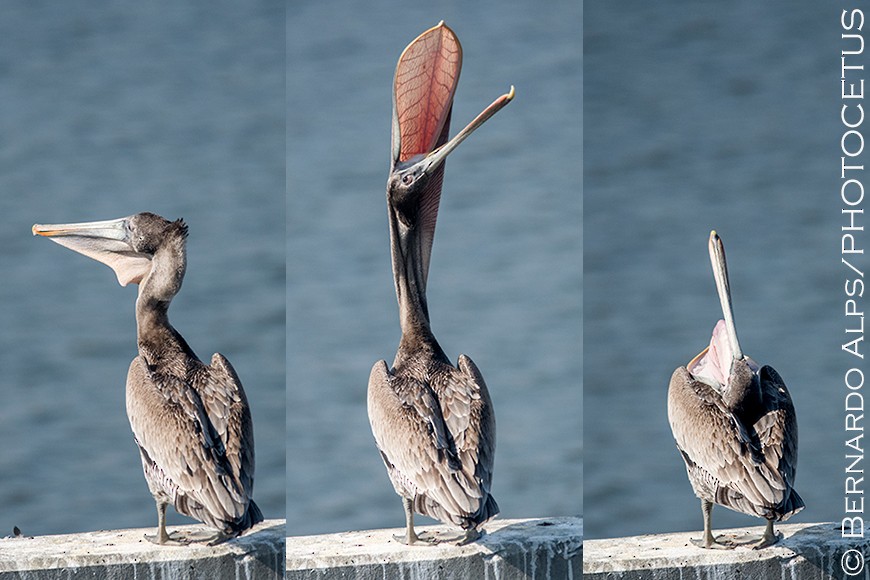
point(539, 549)
point(807, 551)
point(125, 554)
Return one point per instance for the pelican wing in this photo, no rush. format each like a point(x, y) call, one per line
point(722, 466)
point(777, 428)
point(196, 440)
point(227, 408)
point(468, 414)
point(778, 434)
point(413, 420)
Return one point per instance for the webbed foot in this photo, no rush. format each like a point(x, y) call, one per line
point(165, 539)
point(412, 538)
point(470, 536)
point(717, 543)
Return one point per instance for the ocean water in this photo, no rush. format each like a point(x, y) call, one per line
point(109, 110)
point(696, 118)
point(505, 278)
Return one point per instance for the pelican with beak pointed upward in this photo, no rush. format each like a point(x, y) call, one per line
point(735, 426)
point(190, 420)
point(433, 422)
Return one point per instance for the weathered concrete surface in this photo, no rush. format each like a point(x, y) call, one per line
point(539, 549)
point(125, 554)
point(807, 552)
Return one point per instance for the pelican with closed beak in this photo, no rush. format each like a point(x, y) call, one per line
point(190, 420)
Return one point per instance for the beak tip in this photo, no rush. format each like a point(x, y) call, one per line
point(510, 95)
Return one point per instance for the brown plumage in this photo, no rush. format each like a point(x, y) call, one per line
point(433, 422)
point(191, 421)
point(735, 426)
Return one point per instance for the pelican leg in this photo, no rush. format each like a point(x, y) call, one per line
point(769, 538)
point(162, 538)
point(709, 541)
point(411, 536)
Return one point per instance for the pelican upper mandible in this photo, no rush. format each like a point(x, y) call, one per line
point(433, 423)
point(735, 426)
point(190, 420)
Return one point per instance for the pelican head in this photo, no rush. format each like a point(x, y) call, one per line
point(127, 245)
point(722, 364)
point(424, 86)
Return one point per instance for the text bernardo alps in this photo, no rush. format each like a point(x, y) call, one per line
point(852, 251)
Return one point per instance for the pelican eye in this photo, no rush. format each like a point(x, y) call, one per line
point(407, 179)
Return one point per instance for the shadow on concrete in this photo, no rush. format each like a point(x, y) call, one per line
point(823, 547)
point(539, 548)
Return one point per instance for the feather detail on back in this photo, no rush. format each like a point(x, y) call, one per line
point(195, 436)
point(749, 468)
point(435, 430)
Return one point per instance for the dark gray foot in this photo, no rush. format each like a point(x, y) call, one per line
point(173, 539)
point(767, 540)
point(421, 539)
point(470, 536)
point(218, 538)
point(754, 541)
point(719, 543)
point(207, 537)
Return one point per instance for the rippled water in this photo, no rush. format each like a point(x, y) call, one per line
point(709, 116)
point(505, 279)
point(109, 110)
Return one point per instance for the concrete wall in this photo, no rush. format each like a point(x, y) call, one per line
point(125, 554)
point(807, 552)
point(539, 549)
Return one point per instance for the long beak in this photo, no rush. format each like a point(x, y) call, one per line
point(104, 241)
point(107, 230)
point(720, 273)
point(436, 157)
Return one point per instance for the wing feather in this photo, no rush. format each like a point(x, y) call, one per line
point(196, 440)
point(722, 465)
point(429, 436)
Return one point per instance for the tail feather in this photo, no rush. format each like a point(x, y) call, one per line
point(252, 517)
point(790, 506)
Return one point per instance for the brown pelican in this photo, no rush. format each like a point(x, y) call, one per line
point(735, 426)
point(433, 422)
point(190, 420)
